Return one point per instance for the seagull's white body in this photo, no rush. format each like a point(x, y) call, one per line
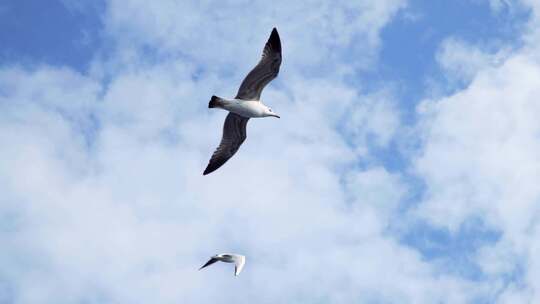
point(238, 260)
point(245, 108)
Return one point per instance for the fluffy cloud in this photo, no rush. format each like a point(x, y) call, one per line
point(479, 159)
point(103, 199)
point(318, 33)
point(115, 209)
point(462, 61)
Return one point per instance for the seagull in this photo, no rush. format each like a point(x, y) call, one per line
point(246, 104)
point(237, 259)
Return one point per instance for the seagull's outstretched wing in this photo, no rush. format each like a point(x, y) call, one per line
point(234, 134)
point(266, 70)
point(210, 262)
point(239, 261)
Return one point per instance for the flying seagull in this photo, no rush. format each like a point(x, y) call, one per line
point(238, 260)
point(246, 104)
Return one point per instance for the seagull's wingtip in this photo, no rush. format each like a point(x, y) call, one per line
point(274, 40)
point(274, 33)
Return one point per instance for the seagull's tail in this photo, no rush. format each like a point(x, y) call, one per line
point(215, 102)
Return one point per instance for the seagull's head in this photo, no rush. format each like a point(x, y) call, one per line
point(269, 112)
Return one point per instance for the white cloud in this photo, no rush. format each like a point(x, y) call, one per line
point(486, 136)
point(103, 198)
point(479, 159)
point(129, 218)
point(463, 61)
point(318, 34)
point(102, 184)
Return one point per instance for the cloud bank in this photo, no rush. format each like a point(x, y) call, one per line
point(104, 202)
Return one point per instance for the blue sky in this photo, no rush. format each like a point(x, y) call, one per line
point(404, 163)
point(49, 33)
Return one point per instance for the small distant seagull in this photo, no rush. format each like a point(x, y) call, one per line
point(238, 260)
point(246, 104)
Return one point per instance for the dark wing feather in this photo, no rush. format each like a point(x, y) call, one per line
point(234, 134)
point(266, 70)
point(210, 262)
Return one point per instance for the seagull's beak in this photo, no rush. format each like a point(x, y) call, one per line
point(275, 115)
